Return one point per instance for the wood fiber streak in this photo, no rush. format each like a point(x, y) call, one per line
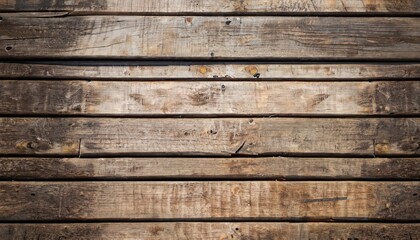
point(52, 201)
point(215, 72)
point(207, 168)
point(194, 37)
point(215, 6)
point(209, 98)
point(211, 231)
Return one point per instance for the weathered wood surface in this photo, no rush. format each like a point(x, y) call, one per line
point(280, 168)
point(209, 98)
point(52, 201)
point(232, 72)
point(215, 6)
point(194, 37)
point(211, 231)
point(216, 137)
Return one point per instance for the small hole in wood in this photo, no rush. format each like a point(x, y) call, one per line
point(257, 75)
point(8, 48)
point(223, 87)
point(237, 229)
point(32, 194)
point(228, 22)
point(212, 54)
point(414, 194)
point(1, 19)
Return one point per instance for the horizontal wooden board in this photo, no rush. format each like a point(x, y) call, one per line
point(231, 72)
point(209, 98)
point(195, 37)
point(217, 136)
point(211, 231)
point(52, 201)
point(280, 168)
point(215, 6)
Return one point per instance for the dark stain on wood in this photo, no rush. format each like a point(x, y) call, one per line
point(390, 98)
point(202, 96)
point(43, 168)
point(43, 5)
point(404, 200)
point(405, 168)
point(401, 5)
point(397, 136)
point(317, 99)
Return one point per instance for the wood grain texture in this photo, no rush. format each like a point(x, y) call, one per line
point(210, 231)
point(190, 37)
point(385, 201)
point(231, 72)
point(209, 98)
point(216, 137)
point(209, 168)
point(215, 6)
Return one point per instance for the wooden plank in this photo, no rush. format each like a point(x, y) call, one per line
point(232, 72)
point(216, 136)
point(215, 6)
point(209, 98)
point(364, 201)
point(209, 168)
point(194, 37)
point(211, 231)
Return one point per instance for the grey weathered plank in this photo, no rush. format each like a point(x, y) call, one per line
point(206, 168)
point(211, 231)
point(217, 136)
point(52, 201)
point(195, 37)
point(209, 98)
point(215, 6)
point(232, 72)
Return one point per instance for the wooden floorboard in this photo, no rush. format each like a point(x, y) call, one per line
point(218, 38)
point(216, 6)
point(210, 231)
point(214, 71)
point(280, 168)
point(209, 98)
point(75, 201)
point(214, 137)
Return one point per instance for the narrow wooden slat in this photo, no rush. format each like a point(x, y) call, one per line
point(215, 6)
point(206, 168)
point(209, 98)
point(211, 231)
point(52, 201)
point(181, 37)
point(232, 72)
point(217, 137)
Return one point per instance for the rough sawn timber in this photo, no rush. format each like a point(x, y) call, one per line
point(198, 37)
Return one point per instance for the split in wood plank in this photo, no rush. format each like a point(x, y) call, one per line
point(194, 37)
point(256, 200)
point(210, 231)
point(214, 137)
point(209, 98)
point(215, 6)
point(209, 168)
point(231, 72)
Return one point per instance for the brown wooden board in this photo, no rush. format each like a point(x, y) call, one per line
point(280, 168)
point(209, 98)
point(195, 37)
point(217, 137)
point(364, 201)
point(210, 231)
point(216, 71)
point(215, 6)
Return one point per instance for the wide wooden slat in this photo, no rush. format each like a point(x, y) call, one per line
point(159, 37)
point(217, 137)
point(215, 6)
point(52, 201)
point(207, 168)
point(232, 72)
point(211, 231)
point(209, 98)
